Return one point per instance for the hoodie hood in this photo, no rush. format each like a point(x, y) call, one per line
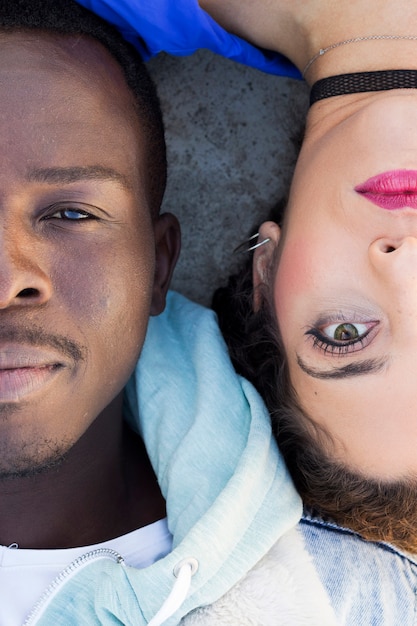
point(228, 494)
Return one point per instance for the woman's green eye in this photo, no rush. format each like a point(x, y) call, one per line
point(343, 338)
point(345, 332)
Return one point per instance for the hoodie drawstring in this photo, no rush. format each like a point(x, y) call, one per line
point(183, 571)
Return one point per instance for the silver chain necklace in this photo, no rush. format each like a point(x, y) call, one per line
point(355, 40)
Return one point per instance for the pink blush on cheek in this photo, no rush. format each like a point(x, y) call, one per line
point(295, 271)
point(302, 278)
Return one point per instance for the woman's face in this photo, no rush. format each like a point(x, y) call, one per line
point(345, 288)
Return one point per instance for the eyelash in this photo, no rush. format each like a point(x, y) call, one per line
point(327, 345)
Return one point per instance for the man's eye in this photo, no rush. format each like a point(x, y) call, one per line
point(72, 215)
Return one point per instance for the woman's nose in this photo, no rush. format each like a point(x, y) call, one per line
point(395, 263)
point(395, 258)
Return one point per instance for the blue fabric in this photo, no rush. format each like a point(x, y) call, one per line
point(229, 496)
point(180, 27)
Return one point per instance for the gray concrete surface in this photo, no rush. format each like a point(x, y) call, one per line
point(230, 155)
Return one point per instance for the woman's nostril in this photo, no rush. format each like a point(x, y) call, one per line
point(389, 249)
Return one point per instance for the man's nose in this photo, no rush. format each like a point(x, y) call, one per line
point(23, 280)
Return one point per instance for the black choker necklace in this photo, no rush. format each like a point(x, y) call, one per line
point(362, 81)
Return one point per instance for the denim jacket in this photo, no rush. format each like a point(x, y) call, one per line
point(370, 584)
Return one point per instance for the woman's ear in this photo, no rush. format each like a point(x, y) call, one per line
point(167, 248)
point(263, 256)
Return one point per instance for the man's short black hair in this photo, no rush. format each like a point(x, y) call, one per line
point(66, 17)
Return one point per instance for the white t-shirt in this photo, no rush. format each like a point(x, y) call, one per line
point(25, 574)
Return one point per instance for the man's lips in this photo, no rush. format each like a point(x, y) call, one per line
point(391, 190)
point(17, 383)
point(24, 370)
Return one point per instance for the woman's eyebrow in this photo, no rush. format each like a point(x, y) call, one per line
point(368, 366)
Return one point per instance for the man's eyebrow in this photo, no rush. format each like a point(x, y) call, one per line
point(66, 175)
point(369, 366)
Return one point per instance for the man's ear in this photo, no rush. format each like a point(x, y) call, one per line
point(167, 248)
point(263, 256)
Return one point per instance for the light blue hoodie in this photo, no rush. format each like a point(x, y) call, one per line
point(228, 494)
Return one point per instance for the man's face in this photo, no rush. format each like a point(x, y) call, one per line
point(76, 243)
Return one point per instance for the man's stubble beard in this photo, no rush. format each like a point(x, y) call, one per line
point(25, 459)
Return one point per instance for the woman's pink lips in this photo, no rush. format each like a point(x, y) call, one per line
point(392, 190)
